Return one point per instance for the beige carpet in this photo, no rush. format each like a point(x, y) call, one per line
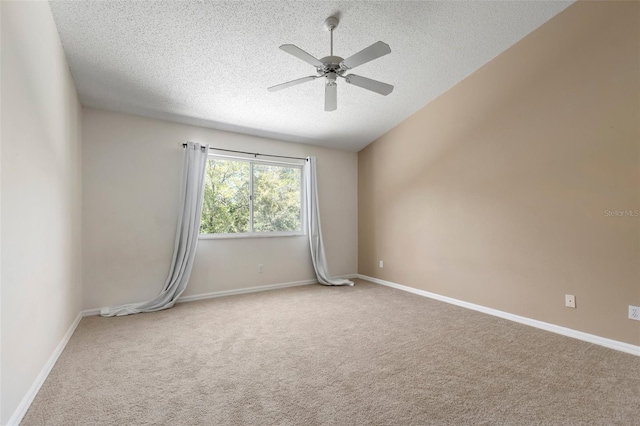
point(363, 355)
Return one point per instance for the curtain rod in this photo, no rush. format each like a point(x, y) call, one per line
point(255, 154)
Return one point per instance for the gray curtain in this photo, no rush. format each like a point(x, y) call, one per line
point(184, 250)
point(313, 227)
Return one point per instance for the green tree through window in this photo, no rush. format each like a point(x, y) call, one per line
point(229, 202)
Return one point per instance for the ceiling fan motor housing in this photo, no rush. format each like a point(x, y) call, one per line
point(331, 65)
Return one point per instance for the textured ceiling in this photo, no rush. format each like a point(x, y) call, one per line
point(209, 63)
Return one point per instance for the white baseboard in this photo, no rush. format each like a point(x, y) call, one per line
point(90, 313)
point(348, 276)
point(24, 405)
point(591, 338)
point(223, 293)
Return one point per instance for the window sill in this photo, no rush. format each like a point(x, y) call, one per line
point(250, 235)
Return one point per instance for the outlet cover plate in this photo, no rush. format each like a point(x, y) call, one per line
point(569, 301)
point(634, 312)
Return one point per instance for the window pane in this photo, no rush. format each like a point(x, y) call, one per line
point(276, 205)
point(226, 197)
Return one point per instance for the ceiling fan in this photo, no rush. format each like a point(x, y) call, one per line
point(331, 67)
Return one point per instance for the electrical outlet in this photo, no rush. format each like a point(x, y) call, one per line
point(260, 268)
point(381, 264)
point(634, 312)
point(569, 301)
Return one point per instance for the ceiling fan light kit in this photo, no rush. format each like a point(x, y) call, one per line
point(331, 67)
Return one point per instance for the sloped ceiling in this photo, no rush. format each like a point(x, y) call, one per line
point(209, 63)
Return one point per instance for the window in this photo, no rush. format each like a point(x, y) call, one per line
point(251, 198)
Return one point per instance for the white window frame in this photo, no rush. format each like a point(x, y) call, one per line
point(251, 233)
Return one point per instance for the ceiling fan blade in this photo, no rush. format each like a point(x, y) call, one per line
point(369, 84)
point(292, 83)
point(330, 97)
point(301, 54)
point(370, 53)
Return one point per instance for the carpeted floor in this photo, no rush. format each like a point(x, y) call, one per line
point(363, 355)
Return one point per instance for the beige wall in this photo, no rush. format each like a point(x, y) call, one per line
point(40, 175)
point(496, 192)
point(132, 168)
